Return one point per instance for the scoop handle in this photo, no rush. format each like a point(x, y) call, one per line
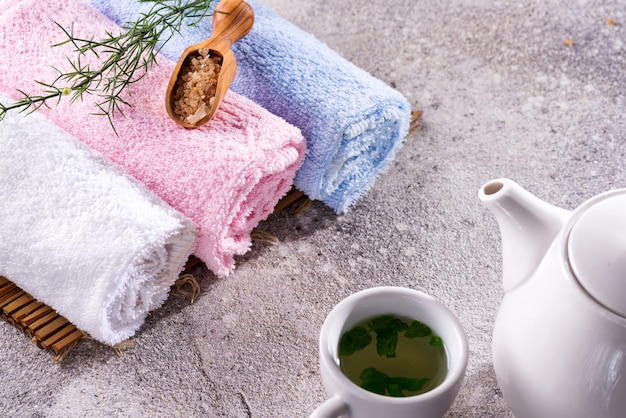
point(232, 20)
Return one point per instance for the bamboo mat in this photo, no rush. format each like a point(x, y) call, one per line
point(41, 323)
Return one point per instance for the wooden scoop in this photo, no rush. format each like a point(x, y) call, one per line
point(232, 20)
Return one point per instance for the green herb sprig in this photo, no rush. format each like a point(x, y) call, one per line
point(125, 58)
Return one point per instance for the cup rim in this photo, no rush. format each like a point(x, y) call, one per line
point(453, 377)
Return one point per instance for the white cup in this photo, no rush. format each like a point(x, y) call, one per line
point(348, 399)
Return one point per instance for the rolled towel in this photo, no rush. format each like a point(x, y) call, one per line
point(81, 235)
point(353, 122)
point(226, 176)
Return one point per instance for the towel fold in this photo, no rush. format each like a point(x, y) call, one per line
point(226, 176)
point(353, 122)
point(79, 234)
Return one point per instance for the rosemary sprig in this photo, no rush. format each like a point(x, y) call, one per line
point(125, 58)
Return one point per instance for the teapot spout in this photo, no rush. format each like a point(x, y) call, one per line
point(528, 226)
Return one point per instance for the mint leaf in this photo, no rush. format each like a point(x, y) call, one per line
point(374, 381)
point(388, 322)
point(378, 382)
point(386, 342)
point(418, 329)
point(436, 341)
point(387, 328)
point(395, 390)
point(354, 340)
point(412, 385)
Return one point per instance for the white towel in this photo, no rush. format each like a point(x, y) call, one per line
point(80, 235)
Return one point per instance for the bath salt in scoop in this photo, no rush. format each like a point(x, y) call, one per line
point(205, 70)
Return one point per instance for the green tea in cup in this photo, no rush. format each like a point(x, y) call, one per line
point(393, 356)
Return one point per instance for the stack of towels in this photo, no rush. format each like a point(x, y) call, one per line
point(225, 177)
point(101, 222)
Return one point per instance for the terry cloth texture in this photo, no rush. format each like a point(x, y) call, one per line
point(226, 176)
point(81, 235)
point(353, 122)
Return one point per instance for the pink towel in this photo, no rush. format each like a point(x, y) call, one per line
point(226, 176)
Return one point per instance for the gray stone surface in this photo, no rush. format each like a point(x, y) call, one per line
point(502, 96)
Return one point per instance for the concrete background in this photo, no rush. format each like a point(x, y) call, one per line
point(503, 95)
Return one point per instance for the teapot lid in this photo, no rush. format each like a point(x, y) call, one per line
point(597, 251)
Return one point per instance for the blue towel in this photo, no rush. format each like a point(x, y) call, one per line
point(353, 122)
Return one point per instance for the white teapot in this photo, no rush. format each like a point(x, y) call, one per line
point(559, 340)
